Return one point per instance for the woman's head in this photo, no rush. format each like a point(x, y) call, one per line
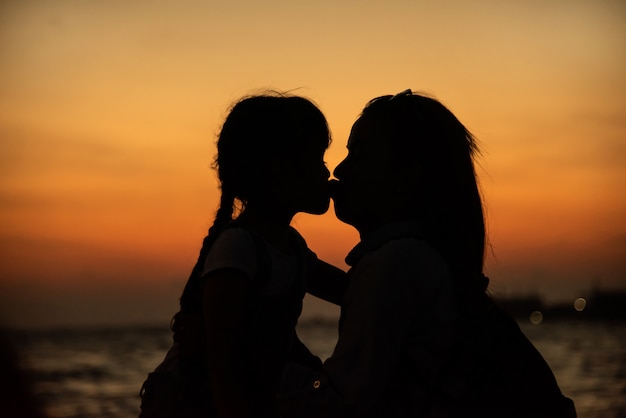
point(270, 152)
point(410, 159)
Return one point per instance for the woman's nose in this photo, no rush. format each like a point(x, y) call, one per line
point(338, 171)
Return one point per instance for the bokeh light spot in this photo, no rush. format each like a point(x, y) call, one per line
point(579, 304)
point(536, 317)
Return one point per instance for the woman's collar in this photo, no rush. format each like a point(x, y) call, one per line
point(381, 235)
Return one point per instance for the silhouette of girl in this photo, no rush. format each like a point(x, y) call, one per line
point(419, 335)
point(241, 304)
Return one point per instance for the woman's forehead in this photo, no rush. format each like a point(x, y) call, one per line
point(364, 130)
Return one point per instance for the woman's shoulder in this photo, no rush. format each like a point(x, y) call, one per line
point(407, 263)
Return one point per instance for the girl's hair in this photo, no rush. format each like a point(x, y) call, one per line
point(258, 130)
point(423, 133)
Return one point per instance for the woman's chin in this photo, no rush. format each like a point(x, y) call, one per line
point(319, 209)
point(340, 212)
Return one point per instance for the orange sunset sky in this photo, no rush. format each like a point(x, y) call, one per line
point(109, 110)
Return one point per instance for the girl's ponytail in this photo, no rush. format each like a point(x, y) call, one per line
point(189, 299)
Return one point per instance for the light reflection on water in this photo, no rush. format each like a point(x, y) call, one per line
point(97, 374)
point(589, 361)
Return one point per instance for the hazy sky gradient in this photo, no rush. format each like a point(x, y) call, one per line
point(109, 110)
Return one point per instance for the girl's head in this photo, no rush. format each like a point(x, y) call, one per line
point(270, 156)
point(410, 159)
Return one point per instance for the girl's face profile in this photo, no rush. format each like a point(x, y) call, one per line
point(303, 181)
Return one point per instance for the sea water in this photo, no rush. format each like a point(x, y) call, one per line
point(97, 373)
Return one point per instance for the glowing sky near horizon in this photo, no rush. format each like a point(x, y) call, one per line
point(109, 110)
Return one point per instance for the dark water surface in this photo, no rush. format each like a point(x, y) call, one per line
point(98, 373)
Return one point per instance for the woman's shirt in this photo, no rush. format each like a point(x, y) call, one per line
point(405, 349)
point(400, 296)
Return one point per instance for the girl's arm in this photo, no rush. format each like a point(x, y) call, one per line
point(328, 282)
point(224, 318)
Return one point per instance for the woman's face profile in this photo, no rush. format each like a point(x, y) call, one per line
point(364, 193)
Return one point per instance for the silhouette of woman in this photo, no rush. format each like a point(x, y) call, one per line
point(419, 335)
point(236, 327)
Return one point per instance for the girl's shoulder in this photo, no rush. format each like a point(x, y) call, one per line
point(241, 246)
point(236, 236)
point(234, 248)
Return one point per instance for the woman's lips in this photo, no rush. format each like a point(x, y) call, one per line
point(333, 186)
